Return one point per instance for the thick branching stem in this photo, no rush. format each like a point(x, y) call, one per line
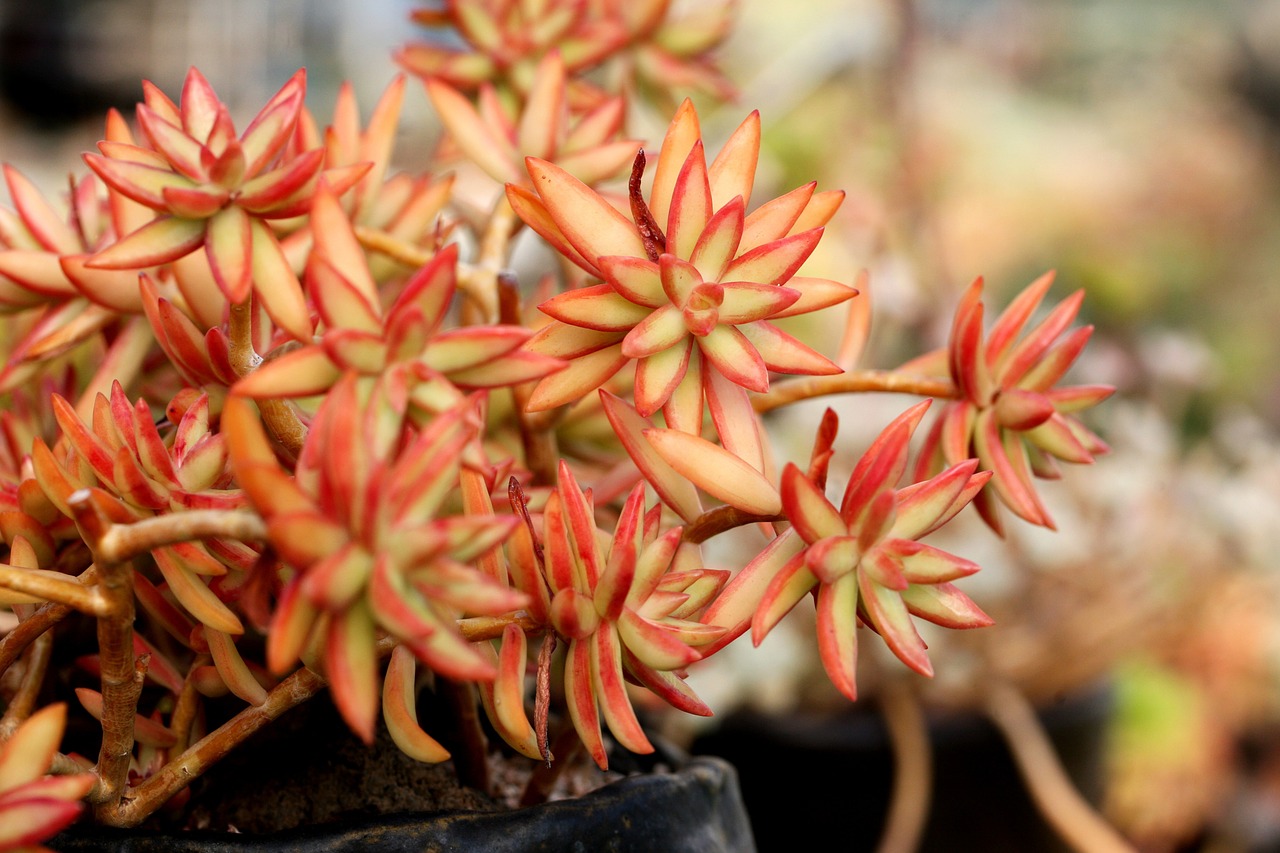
point(852, 382)
point(537, 435)
point(194, 761)
point(480, 281)
point(478, 628)
point(198, 758)
point(912, 768)
point(719, 520)
point(122, 677)
point(24, 699)
point(187, 707)
point(121, 542)
point(469, 746)
point(1059, 801)
point(52, 586)
point(278, 417)
point(30, 629)
point(398, 250)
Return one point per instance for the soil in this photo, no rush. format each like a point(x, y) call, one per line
point(308, 769)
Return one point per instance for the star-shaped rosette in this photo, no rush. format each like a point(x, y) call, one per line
point(216, 191)
point(400, 207)
point(584, 144)
point(690, 282)
point(360, 336)
point(133, 471)
point(504, 41)
point(863, 558)
point(623, 611)
point(1010, 413)
point(34, 236)
point(42, 252)
point(365, 523)
point(673, 52)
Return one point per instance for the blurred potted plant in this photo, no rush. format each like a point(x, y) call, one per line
point(278, 421)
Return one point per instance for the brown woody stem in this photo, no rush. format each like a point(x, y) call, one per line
point(536, 435)
point(196, 759)
point(53, 587)
point(479, 628)
point(852, 382)
point(913, 768)
point(469, 748)
point(716, 521)
point(143, 800)
point(1058, 800)
point(121, 674)
point(185, 709)
point(479, 281)
point(14, 643)
point(124, 541)
point(26, 696)
point(280, 420)
point(393, 247)
point(122, 677)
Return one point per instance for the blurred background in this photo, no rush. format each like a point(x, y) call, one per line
point(1132, 145)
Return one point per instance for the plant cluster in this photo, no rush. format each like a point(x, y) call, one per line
point(279, 419)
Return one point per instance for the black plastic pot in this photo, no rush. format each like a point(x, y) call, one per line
point(832, 775)
point(697, 809)
point(324, 791)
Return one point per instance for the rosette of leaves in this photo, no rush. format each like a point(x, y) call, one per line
point(369, 542)
point(673, 50)
point(628, 609)
point(863, 558)
point(43, 276)
point(583, 143)
point(1011, 413)
point(132, 471)
point(401, 212)
point(690, 283)
point(434, 364)
point(504, 40)
point(34, 237)
point(215, 190)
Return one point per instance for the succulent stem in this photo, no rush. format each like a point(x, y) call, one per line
point(852, 382)
point(479, 281)
point(199, 757)
point(51, 587)
point(125, 541)
point(14, 643)
point(26, 696)
point(281, 420)
point(1058, 800)
point(912, 768)
point(394, 248)
point(478, 628)
point(122, 677)
point(713, 522)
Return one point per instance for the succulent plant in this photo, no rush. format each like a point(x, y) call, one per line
point(274, 426)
